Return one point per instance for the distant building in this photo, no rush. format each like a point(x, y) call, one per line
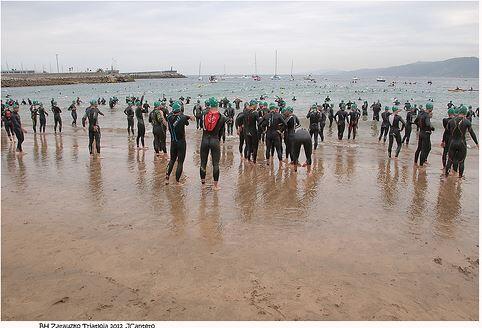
point(15, 71)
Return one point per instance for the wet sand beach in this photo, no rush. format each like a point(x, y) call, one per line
point(362, 238)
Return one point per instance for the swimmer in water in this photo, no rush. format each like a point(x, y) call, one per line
point(33, 115)
point(159, 125)
point(397, 124)
point(385, 125)
point(250, 128)
point(302, 138)
point(141, 128)
point(92, 114)
point(445, 144)
point(408, 124)
point(292, 122)
point(353, 117)
point(341, 117)
point(314, 116)
point(130, 118)
point(57, 118)
point(42, 115)
point(73, 112)
point(424, 145)
point(274, 123)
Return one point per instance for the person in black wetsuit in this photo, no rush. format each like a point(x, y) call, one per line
point(17, 127)
point(458, 127)
point(57, 118)
point(470, 114)
point(238, 124)
point(341, 117)
point(237, 101)
point(445, 144)
point(33, 116)
point(250, 129)
point(141, 128)
point(42, 116)
point(262, 110)
point(323, 113)
point(130, 118)
point(176, 122)
point(274, 123)
point(213, 122)
point(331, 114)
point(365, 108)
point(397, 124)
point(292, 122)
point(229, 114)
point(408, 124)
point(159, 125)
point(315, 118)
point(92, 115)
point(353, 117)
point(197, 111)
point(377, 108)
point(302, 138)
point(424, 145)
point(385, 126)
point(73, 112)
point(7, 121)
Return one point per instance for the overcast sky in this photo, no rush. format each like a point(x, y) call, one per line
point(156, 35)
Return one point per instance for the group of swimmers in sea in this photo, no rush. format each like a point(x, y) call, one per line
point(274, 124)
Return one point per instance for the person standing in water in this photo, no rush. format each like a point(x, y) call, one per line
point(73, 111)
point(238, 123)
point(57, 118)
point(17, 127)
point(141, 128)
point(385, 125)
point(159, 124)
point(229, 114)
point(92, 114)
point(353, 117)
point(445, 144)
point(7, 121)
point(322, 122)
point(458, 127)
point(292, 122)
point(341, 117)
point(33, 116)
point(274, 124)
point(408, 124)
point(197, 111)
point(250, 128)
point(424, 146)
point(176, 122)
point(315, 117)
point(130, 118)
point(365, 108)
point(302, 138)
point(397, 124)
point(42, 115)
point(213, 123)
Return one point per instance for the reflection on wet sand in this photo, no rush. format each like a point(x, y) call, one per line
point(388, 184)
point(96, 185)
point(417, 207)
point(210, 225)
point(448, 207)
point(141, 171)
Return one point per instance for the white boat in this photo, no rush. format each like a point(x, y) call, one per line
point(309, 78)
point(276, 76)
point(355, 78)
point(213, 79)
point(292, 78)
point(245, 77)
point(255, 76)
point(199, 77)
point(380, 79)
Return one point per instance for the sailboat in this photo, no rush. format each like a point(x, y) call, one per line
point(291, 75)
point(275, 76)
point(199, 77)
point(255, 76)
point(223, 77)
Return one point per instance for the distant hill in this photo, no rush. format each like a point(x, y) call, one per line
point(454, 67)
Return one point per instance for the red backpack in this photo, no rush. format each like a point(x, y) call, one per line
point(210, 120)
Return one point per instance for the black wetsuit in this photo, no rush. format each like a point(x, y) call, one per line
point(33, 116)
point(458, 128)
point(17, 129)
point(210, 142)
point(315, 118)
point(43, 119)
point(229, 114)
point(92, 114)
point(176, 125)
point(424, 146)
point(7, 120)
point(250, 128)
point(292, 122)
point(73, 110)
point(130, 119)
point(470, 115)
point(237, 102)
point(376, 111)
point(397, 124)
point(238, 122)
point(197, 111)
point(353, 117)
point(331, 115)
point(408, 127)
point(302, 138)
point(365, 109)
point(141, 128)
point(322, 125)
point(341, 117)
point(157, 130)
point(274, 123)
point(57, 118)
point(385, 126)
point(446, 139)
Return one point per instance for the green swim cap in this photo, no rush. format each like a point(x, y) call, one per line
point(253, 102)
point(284, 110)
point(394, 108)
point(35, 102)
point(93, 102)
point(213, 102)
point(462, 110)
point(176, 107)
point(314, 106)
point(353, 106)
point(138, 103)
point(429, 105)
point(272, 106)
point(451, 111)
point(289, 109)
point(387, 108)
point(157, 104)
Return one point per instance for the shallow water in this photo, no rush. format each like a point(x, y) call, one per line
point(362, 238)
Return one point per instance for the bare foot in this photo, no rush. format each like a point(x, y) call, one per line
point(216, 186)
